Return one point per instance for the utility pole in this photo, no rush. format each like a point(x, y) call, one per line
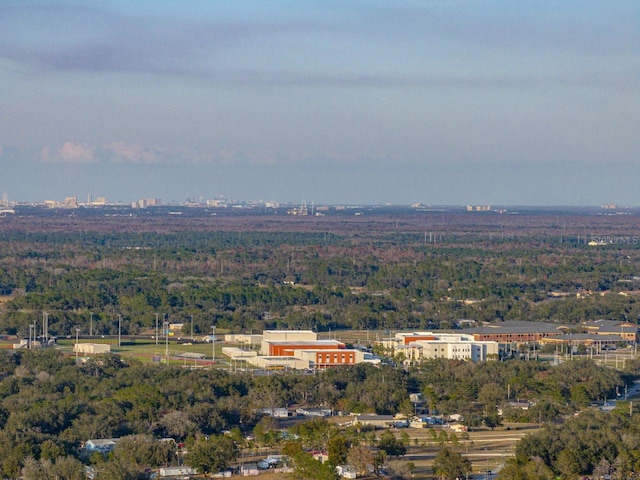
point(156, 329)
point(192, 327)
point(119, 328)
point(45, 327)
point(91, 324)
point(30, 335)
point(166, 342)
point(213, 344)
point(77, 347)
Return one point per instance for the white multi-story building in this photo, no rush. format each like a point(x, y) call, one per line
point(417, 346)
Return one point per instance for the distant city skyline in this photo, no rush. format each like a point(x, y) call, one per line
point(372, 102)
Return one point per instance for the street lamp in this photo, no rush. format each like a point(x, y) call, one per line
point(166, 342)
point(156, 329)
point(77, 348)
point(192, 327)
point(213, 344)
point(119, 328)
point(91, 324)
point(45, 327)
point(30, 335)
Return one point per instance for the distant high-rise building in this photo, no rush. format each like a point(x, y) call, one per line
point(71, 202)
point(89, 199)
point(5, 199)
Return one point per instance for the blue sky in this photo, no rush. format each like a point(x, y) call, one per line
point(329, 101)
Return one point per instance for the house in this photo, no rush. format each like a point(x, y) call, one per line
point(320, 456)
point(169, 472)
point(346, 471)
point(378, 421)
point(313, 412)
point(276, 412)
point(103, 445)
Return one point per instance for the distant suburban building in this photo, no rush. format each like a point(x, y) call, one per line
point(275, 412)
point(380, 421)
point(625, 330)
point(91, 348)
point(414, 347)
point(169, 472)
point(288, 349)
point(243, 339)
point(269, 336)
point(517, 331)
point(295, 350)
point(103, 445)
point(330, 357)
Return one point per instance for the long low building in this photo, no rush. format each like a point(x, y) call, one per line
point(243, 339)
point(517, 332)
point(235, 353)
point(330, 358)
point(586, 339)
point(278, 363)
point(91, 348)
point(627, 331)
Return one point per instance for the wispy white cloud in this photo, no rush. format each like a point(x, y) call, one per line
point(121, 152)
point(70, 152)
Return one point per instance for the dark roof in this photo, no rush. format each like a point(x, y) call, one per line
point(609, 325)
point(590, 336)
point(517, 327)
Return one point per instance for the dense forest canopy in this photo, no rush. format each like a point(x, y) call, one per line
point(378, 271)
point(49, 406)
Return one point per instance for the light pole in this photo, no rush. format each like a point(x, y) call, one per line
point(91, 324)
point(77, 348)
point(191, 327)
point(119, 328)
point(166, 342)
point(156, 329)
point(30, 335)
point(45, 327)
point(213, 344)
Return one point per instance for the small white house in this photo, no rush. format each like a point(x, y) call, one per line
point(276, 412)
point(102, 445)
point(176, 471)
point(346, 471)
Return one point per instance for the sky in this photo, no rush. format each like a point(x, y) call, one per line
point(398, 101)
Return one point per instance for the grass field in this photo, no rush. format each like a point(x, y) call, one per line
point(146, 350)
